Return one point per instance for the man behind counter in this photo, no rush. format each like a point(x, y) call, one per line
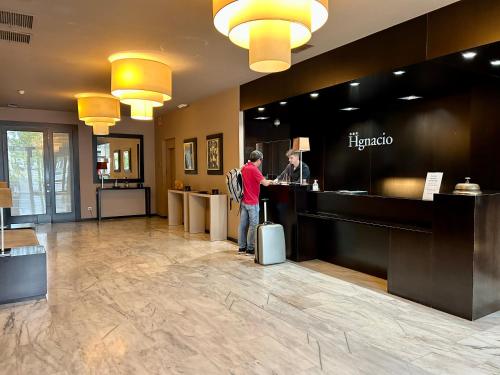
point(292, 171)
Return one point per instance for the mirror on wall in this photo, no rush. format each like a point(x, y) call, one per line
point(119, 157)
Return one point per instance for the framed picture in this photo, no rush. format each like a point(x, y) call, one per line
point(215, 154)
point(127, 165)
point(190, 156)
point(116, 161)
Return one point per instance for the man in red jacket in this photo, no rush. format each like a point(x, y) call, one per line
point(249, 218)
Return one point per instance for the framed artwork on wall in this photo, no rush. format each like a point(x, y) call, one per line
point(127, 165)
point(116, 161)
point(190, 156)
point(215, 154)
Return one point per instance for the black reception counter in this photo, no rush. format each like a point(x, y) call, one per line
point(444, 254)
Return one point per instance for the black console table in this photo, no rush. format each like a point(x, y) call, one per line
point(147, 198)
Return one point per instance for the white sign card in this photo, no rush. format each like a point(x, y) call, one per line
point(432, 185)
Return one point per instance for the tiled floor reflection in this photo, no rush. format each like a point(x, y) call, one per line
point(135, 297)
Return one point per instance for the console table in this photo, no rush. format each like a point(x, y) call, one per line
point(218, 215)
point(147, 198)
point(178, 208)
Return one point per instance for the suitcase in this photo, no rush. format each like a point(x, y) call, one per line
point(269, 242)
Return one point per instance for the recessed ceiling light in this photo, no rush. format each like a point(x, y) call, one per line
point(283, 103)
point(20, 92)
point(12, 105)
point(411, 97)
point(261, 109)
point(495, 62)
point(314, 95)
point(355, 84)
point(349, 109)
point(261, 118)
point(183, 105)
point(469, 55)
point(399, 72)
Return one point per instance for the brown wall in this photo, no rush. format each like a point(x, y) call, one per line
point(215, 114)
point(87, 186)
point(121, 198)
point(459, 26)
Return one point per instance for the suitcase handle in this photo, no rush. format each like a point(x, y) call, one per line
point(265, 200)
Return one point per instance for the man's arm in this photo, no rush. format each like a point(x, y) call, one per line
point(266, 182)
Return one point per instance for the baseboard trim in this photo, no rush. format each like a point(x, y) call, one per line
point(118, 217)
point(232, 239)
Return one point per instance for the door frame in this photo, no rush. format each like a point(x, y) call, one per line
point(47, 128)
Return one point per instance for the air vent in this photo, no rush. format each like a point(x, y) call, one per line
point(11, 36)
point(302, 48)
point(16, 19)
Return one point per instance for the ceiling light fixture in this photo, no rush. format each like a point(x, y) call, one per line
point(101, 111)
point(410, 97)
point(495, 62)
point(314, 95)
point(269, 29)
point(142, 80)
point(283, 103)
point(349, 109)
point(469, 55)
point(261, 118)
point(20, 92)
point(355, 84)
point(399, 72)
point(183, 105)
point(261, 109)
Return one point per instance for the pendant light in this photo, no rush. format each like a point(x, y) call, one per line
point(99, 111)
point(269, 29)
point(142, 80)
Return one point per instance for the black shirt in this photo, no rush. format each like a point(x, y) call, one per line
point(294, 174)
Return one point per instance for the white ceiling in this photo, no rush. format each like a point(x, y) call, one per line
point(73, 38)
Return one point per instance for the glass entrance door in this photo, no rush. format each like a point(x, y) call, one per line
point(39, 167)
point(27, 176)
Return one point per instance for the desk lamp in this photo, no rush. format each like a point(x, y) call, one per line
point(102, 166)
point(301, 144)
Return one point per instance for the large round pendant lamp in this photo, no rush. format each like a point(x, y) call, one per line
point(142, 80)
point(99, 111)
point(269, 29)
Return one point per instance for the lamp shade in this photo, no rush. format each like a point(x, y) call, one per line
point(102, 165)
point(99, 111)
point(301, 144)
point(142, 80)
point(269, 28)
point(5, 198)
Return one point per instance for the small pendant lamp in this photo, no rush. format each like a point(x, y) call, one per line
point(101, 111)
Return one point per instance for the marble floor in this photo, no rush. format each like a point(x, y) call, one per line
point(137, 297)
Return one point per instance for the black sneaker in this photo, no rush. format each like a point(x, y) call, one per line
point(241, 251)
point(250, 252)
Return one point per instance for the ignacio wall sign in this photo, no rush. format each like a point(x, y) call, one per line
point(360, 143)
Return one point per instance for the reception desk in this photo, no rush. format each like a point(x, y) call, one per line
point(444, 254)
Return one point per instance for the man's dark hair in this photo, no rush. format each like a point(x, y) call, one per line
point(256, 155)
